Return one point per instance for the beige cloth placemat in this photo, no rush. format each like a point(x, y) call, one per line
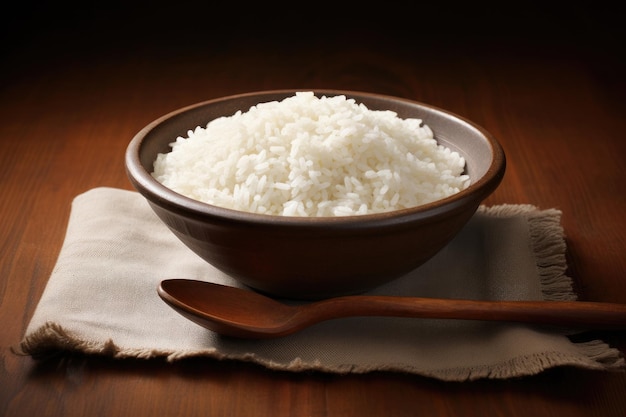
point(101, 299)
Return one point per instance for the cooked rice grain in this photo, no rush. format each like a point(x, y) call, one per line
point(312, 156)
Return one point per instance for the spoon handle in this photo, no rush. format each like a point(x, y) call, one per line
point(580, 314)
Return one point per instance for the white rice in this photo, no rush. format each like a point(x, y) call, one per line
point(310, 156)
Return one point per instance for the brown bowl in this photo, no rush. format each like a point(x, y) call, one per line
point(316, 257)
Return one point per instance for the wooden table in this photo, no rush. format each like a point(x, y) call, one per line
point(75, 91)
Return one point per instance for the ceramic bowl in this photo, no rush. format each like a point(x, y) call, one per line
point(316, 257)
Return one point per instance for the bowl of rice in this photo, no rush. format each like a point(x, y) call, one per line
point(308, 194)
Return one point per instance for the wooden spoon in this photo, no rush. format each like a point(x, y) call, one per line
point(246, 314)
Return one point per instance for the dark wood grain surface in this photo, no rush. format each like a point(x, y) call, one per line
point(77, 84)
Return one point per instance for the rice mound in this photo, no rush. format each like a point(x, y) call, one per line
point(312, 156)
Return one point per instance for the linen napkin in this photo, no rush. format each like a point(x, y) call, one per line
point(101, 299)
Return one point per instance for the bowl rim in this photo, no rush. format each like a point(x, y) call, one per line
point(157, 193)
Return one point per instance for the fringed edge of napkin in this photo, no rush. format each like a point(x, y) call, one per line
point(547, 238)
point(52, 339)
point(593, 355)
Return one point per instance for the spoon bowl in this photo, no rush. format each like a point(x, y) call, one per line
point(243, 313)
